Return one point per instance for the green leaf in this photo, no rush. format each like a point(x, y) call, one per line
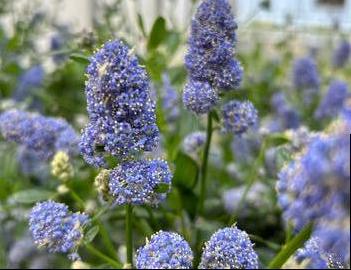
point(277, 139)
point(172, 41)
point(80, 58)
point(186, 171)
point(32, 195)
point(283, 156)
point(91, 233)
point(141, 25)
point(162, 188)
point(158, 33)
point(290, 248)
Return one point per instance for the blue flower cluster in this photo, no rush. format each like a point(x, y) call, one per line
point(140, 182)
point(315, 186)
point(165, 250)
point(288, 117)
point(210, 58)
point(229, 248)
point(342, 54)
point(31, 164)
point(42, 135)
point(199, 97)
point(169, 100)
point(194, 141)
point(239, 116)
point(53, 226)
point(121, 112)
point(333, 101)
point(316, 257)
point(305, 74)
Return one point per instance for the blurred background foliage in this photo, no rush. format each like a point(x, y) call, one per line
point(56, 88)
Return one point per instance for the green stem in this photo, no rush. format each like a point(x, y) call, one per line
point(129, 234)
point(203, 172)
point(202, 176)
point(290, 248)
point(102, 256)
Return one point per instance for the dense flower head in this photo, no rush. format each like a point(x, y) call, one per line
point(170, 101)
point(316, 257)
point(239, 116)
point(140, 182)
point(342, 54)
point(305, 74)
point(53, 226)
point(199, 97)
point(43, 135)
point(121, 112)
point(229, 248)
point(315, 186)
point(210, 58)
point(287, 116)
point(165, 250)
point(211, 46)
point(334, 99)
point(193, 142)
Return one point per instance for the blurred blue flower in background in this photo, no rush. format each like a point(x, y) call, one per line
point(193, 142)
point(170, 101)
point(305, 73)
point(333, 100)
point(28, 85)
point(287, 116)
point(42, 135)
point(341, 54)
point(315, 186)
point(239, 116)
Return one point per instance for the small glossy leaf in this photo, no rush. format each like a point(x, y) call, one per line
point(141, 25)
point(80, 58)
point(32, 196)
point(158, 33)
point(186, 170)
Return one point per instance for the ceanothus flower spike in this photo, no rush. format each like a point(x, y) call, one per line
point(211, 46)
point(210, 60)
point(121, 112)
point(333, 101)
